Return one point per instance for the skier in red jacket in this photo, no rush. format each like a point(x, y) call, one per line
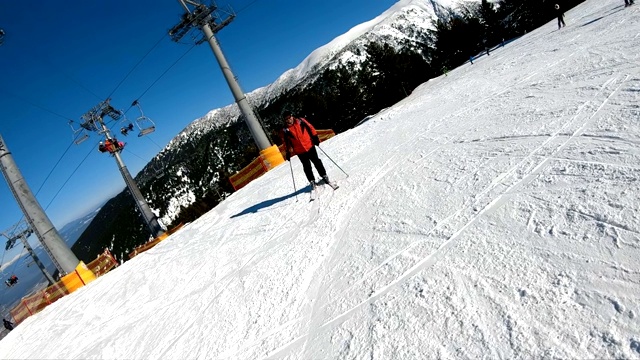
point(299, 138)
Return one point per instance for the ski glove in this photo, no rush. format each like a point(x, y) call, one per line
point(315, 140)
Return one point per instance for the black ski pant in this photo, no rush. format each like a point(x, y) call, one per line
point(309, 157)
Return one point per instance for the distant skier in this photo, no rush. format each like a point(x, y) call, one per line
point(11, 281)
point(7, 324)
point(560, 15)
point(299, 138)
point(628, 3)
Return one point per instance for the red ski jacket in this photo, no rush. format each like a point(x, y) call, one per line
point(297, 137)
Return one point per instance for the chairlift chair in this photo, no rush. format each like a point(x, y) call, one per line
point(78, 139)
point(126, 127)
point(158, 170)
point(159, 174)
point(146, 125)
point(81, 139)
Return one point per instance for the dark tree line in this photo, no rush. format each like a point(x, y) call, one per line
point(460, 34)
point(338, 98)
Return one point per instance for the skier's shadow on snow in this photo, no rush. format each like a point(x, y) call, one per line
point(265, 204)
point(611, 12)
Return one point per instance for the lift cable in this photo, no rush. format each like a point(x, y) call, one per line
point(66, 118)
point(92, 148)
point(69, 177)
point(246, 6)
point(136, 65)
point(112, 92)
point(35, 105)
point(161, 75)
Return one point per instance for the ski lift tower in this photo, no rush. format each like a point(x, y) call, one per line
point(93, 120)
point(64, 259)
point(60, 253)
point(22, 231)
point(206, 19)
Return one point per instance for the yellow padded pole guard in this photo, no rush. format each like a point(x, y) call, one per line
point(79, 278)
point(272, 157)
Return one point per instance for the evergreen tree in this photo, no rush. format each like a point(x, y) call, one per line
point(456, 37)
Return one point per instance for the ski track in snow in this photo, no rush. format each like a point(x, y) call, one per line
point(527, 163)
point(425, 262)
point(491, 204)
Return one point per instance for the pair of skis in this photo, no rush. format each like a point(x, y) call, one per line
point(314, 189)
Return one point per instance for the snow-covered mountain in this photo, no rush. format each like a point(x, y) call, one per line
point(406, 22)
point(72, 231)
point(401, 23)
point(185, 181)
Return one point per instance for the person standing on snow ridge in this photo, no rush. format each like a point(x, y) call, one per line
point(299, 138)
point(560, 15)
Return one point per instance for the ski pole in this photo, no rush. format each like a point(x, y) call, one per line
point(334, 163)
point(295, 191)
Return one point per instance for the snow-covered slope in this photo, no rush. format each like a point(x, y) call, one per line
point(491, 214)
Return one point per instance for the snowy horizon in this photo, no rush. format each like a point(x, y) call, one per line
point(337, 45)
point(492, 213)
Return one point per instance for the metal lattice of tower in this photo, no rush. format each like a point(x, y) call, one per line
point(95, 117)
point(201, 15)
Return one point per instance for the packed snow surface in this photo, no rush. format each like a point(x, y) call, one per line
point(493, 213)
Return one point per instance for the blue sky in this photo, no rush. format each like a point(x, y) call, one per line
point(57, 62)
